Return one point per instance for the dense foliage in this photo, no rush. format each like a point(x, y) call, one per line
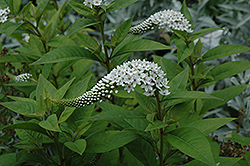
point(114, 83)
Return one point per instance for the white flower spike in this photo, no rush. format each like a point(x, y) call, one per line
point(4, 14)
point(168, 19)
point(22, 77)
point(128, 75)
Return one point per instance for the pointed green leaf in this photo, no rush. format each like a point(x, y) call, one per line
point(8, 159)
point(81, 24)
point(193, 143)
point(143, 151)
point(14, 58)
point(60, 41)
point(118, 4)
point(81, 8)
point(109, 140)
point(51, 123)
point(224, 50)
point(65, 53)
point(225, 94)
point(206, 126)
point(201, 33)
point(187, 15)
point(87, 41)
point(156, 125)
point(121, 32)
point(145, 102)
point(240, 139)
point(113, 112)
point(142, 45)
point(192, 95)
point(62, 91)
point(9, 27)
point(78, 146)
point(229, 69)
point(27, 126)
point(44, 84)
point(184, 52)
point(26, 108)
point(66, 114)
point(179, 82)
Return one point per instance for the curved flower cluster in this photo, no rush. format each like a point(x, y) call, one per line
point(168, 19)
point(22, 77)
point(4, 14)
point(128, 75)
point(90, 3)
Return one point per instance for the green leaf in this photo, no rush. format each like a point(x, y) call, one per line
point(79, 88)
point(229, 69)
point(193, 143)
point(179, 82)
point(143, 151)
point(192, 95)
point(40, 9)
point(156, 125)
point(109, 140)
point(240, 139)
point(118, 4)
point(14, 58)
point(27, 126)
point(9, 28)
point(66, 114)
point(51, 123)
point(187, 15)
point(114, 112)
point(62, 91)
point(26, 108)
point(81, 24)
point(206, 126)
point(145, 102)
point(121, 32)
point(184, 51)
point(224, 50)
point(225, 94)
point(27, 157)
point(60, 41)
point(87, 41)
point(81, 8)
point(177, 112)
point(27, 145)
point(202, 32)
point(141, 45)
point(65, 53)
point(25, 9)
point(220, 161)
point(44, 84)
point(8, 159)
point(169, 67)
point(78, 146)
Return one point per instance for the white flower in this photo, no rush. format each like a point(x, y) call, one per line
point(167, 19)
point(90, 3)
point(22, 77)
point(97, 2)
point(129, 75)
point(4, 14)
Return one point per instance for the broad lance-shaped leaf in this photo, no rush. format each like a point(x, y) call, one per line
point(121, 32)
point(142, 45)
point(78, 146)
point(109, 140)
point(224, 50)
point(179, 82)
point(27, 126)
point(80, 24)
point(143, 151)
point(113, 112)
point(51, 123)
point(156, 125)
point(118, 4)
point(192, 142)
point(206, 126)
point(65, 53)
point(81, 8)
point(229, 69)
point(192, 95)
point(225, 94)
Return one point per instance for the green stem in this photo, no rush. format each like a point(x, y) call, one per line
point(160, 117)
point(58, 147)
point(46, 154)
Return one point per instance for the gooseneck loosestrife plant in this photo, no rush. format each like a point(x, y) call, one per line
point(151, 111)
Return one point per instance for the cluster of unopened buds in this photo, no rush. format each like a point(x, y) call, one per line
point(90, 3)
point(23, 77)
point(147, 74)
point(4, 14)
point(168, 19)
